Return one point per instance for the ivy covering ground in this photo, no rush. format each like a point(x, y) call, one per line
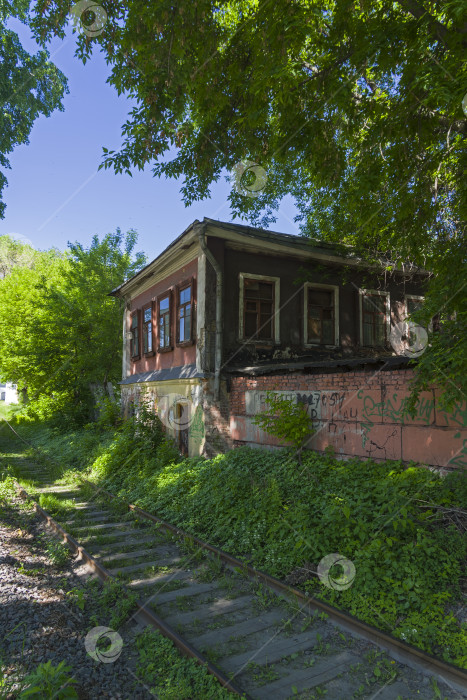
point(396, 524)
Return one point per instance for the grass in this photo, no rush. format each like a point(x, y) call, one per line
point(264, 507)
point(172, 677)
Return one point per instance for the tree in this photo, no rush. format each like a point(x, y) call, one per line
point(14, 254)
point(30, 85)
point(353, 107)
point(289, 422)
point(62, 331)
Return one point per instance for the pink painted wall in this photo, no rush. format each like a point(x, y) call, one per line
point(360, 414)
point(179, 355)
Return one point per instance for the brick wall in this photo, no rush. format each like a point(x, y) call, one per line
point(360, 414)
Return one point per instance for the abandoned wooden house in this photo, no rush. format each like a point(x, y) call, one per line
point(228, 312)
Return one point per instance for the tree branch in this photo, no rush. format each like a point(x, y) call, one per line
point(439, 30)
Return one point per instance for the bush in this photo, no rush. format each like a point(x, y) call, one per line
point(49, 681)
point(58, 553)
point(287, 421)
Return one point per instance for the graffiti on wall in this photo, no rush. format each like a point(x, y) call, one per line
point(376, 423)
point(196, 430)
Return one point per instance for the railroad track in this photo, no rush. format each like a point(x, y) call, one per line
point(224, 613)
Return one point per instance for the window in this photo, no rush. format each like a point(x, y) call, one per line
point(259, 308)
point(321, 314)
point(2, 396)
point(147, 329)
point(415, 303)
point(164, 323)
point(374, 317)
point(412, 304)
point(185, 316)
point(134, 343)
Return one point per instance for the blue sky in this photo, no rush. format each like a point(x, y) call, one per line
point(55, 192)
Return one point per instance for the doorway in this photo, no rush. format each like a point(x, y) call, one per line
point(182, 424)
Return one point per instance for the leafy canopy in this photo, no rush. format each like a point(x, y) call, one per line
point(62, 331)
point(352, 107)
point(30, 85)
point(14, 253)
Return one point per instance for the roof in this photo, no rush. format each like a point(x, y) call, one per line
point(115, 292)
point(288, 239)
point(331, 252)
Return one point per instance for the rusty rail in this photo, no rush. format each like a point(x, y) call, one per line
point(148, 615)
point(400, 650)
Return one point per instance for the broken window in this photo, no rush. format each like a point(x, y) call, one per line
point(147, 329)
point(374, 318)
point(164, 323)
point(258, 308)
point(320, 316)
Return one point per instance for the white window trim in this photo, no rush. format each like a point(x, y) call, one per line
point(333, 288)
point(361, 294)
point(241, 331)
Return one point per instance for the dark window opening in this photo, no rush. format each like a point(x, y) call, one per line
point(320, 322)
point(374, 319)
point(134, 344)
point(258, 309)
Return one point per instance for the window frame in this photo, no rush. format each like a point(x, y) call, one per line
point(276, 308)
point(417, 297)
point(136, 313)
point(178, 289)
point(168, 294)
point(375, 292)
point(148, 353)
point(327, 287)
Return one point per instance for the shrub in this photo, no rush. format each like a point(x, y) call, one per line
point(49, 681)
point(287, 421)
point(58, 553)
